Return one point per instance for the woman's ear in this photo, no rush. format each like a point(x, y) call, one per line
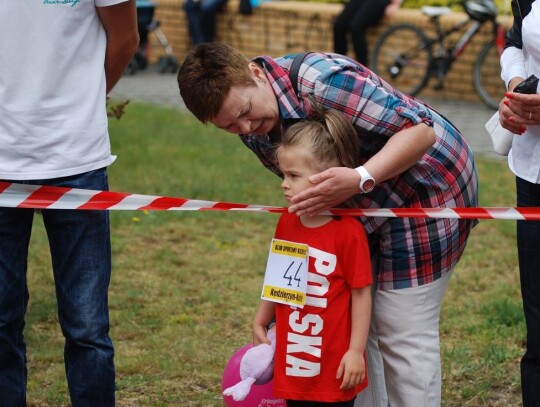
point(256, 71)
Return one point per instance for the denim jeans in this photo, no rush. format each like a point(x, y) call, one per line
point(528, 240)
point(79, 242)
point(201, 16)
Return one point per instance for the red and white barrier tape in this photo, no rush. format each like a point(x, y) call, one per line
point(14, 195)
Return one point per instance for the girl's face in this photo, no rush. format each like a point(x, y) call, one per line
point(297, 164)
point(249, 109)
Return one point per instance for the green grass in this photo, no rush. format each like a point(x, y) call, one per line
point(186, 285)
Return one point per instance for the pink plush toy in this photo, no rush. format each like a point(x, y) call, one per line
point(256, 366)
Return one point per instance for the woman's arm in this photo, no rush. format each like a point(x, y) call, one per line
point(352, 366)
point(336, 185)
point(512, 59)
point(516, 111)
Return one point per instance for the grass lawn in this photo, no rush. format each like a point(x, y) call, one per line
point(186, 285)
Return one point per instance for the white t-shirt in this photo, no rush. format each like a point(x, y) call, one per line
point(53, 121)
point(524, 157)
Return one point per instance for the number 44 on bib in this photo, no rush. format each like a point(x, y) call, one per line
point(285, 280)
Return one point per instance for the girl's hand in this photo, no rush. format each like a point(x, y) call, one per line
point(351, 369)
point(263, 317)
point(259, 335)
point(330, 188)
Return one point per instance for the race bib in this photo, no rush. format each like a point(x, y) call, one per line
point(285, 280)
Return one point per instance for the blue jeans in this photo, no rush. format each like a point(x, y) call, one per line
point(528, 240)
point(201, 16)
point(79, 242)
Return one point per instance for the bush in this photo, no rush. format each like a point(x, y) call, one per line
point(502, 5)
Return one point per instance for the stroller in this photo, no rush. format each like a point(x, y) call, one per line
point(147, 24)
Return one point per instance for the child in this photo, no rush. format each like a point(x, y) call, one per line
point(320, 347)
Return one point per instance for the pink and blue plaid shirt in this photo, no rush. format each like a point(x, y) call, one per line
point(406, 252)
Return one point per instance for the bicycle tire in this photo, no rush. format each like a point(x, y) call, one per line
point(402, 56)
point(487, 76)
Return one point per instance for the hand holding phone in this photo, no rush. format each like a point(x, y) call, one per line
point(528, 86)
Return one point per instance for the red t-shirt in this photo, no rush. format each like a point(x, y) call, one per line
point(311, 341)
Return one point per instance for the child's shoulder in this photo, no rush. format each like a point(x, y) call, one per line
point(348, 226)
point(349, 222)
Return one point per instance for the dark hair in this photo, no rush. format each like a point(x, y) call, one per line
point(207, 75)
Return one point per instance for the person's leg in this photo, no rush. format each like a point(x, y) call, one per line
point(342, 24)
point(369, 14)
point(144, 19)
point(81, 257)
point(528, 241)
point(193, 15)
point(407, 325)
point(15, 229)
point(209, 11)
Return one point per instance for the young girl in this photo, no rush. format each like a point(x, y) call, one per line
point(319, 357)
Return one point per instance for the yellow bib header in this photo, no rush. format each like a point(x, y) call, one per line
point(289, 248)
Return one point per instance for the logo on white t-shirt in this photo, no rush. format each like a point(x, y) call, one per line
point(72, 2)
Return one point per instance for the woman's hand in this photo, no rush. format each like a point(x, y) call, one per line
point(335, 185)
point(517, 111)
point(330, 188)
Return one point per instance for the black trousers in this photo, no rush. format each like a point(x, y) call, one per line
point(356, 18)
point(528, 240)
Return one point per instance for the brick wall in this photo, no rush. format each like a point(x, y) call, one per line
point(282, 27)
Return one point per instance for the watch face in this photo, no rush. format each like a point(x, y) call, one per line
point(368, 185)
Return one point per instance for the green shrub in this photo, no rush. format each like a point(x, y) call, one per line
point(502, 5)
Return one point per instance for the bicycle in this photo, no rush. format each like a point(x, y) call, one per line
point(407, 58)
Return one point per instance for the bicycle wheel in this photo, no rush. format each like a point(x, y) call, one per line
point(487, 76)
point(402, 57)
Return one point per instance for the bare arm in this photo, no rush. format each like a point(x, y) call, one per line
point(336, 185)
point(352, 366)
point(264, 315)
point(120, 23)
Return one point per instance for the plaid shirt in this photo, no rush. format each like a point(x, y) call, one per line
point(407, 252)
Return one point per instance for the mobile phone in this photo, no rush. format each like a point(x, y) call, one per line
point(528, 86)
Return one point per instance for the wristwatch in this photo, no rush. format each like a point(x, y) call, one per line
point(367, 182)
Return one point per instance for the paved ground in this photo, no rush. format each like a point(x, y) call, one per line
point(149, 86)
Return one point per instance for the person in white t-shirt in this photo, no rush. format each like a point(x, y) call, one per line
point(520, 114)
point(59, 60)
